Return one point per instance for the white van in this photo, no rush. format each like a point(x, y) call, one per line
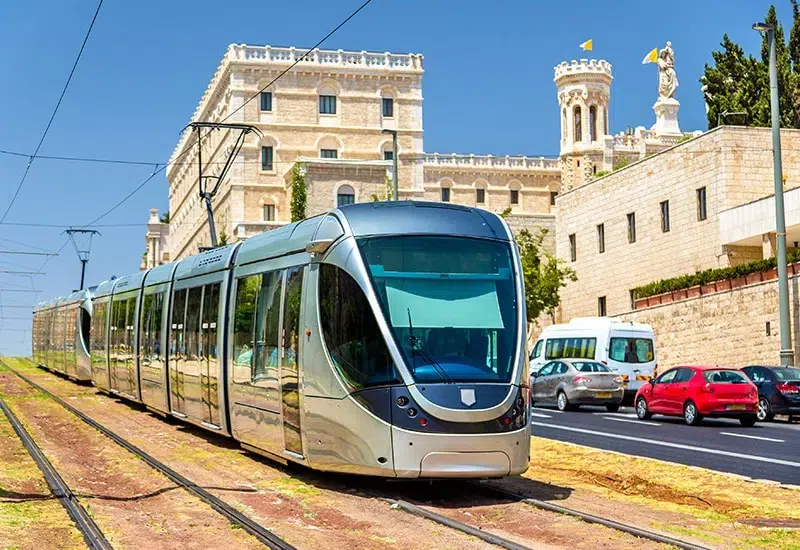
point(628, 348)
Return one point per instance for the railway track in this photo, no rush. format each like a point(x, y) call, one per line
point(261, 533)
point(388, 497)
point(589, 518)
point(83, 521)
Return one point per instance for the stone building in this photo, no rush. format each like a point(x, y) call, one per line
point(156, 242)
point(330, 114)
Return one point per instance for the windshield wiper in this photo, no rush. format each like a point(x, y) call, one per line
point(427, 357)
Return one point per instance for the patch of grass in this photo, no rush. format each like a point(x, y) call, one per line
point(777, 539)
point(689, 532)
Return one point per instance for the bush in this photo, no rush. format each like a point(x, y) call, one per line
point(682, 282)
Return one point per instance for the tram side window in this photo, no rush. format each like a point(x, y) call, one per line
point(178, 316)
point(193, 303)
point(575, 348)
point(350, 331)
point(209, 321)
point(150, 326)
point(243, 323)
point(268, 312)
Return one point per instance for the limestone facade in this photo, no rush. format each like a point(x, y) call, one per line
point(156, 240)
point(731, 166)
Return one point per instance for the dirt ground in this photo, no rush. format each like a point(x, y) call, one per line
point(323, 511)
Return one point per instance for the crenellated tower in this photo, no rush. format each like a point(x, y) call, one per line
point(584, 92)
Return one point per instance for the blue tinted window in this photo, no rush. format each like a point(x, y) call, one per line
point(266, 101)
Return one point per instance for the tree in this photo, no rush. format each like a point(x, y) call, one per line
point(544, 274)
point(223, 238)
point(740, 83)
point(164, 217)
point(298, 206)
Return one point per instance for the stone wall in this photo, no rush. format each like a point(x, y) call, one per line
point(725, 328)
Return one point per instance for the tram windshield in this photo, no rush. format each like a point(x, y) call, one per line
point(451, 303)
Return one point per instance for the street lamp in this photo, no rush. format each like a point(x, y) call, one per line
point(787, 355)
point(394, 162)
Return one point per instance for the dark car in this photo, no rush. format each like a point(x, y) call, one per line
point(778, 390)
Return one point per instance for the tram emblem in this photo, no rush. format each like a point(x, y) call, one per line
point(468, 396)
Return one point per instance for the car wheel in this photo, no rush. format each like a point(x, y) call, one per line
point(562, 401)
point(764, 412)
point(612, 407)
point(748, 421)
point(641, 409)
point(691, 415)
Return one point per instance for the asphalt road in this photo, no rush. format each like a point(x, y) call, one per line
point(769, 450)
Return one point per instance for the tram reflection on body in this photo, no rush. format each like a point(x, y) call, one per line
point(384, 339)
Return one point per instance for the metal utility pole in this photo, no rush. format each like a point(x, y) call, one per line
point(786, 353)
point(83, 252)
point(395, 193)
point(205, 194)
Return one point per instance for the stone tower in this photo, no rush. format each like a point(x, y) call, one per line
point(584, 91)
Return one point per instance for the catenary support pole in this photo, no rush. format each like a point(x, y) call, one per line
point(394, 167)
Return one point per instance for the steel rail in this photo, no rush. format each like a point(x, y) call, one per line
point(261, 533)
point(83, 521)
point(591, 518)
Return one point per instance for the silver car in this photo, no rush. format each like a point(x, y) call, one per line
point(574, 382)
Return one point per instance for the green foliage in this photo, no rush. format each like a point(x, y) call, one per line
point(375, 198)
point(164, 217)
point(505, 213)
point(299, 199)
point(543, 274)
point(223, 237)
point(682, 282)
point(740, 83)
point(602, 173)
point(621, 163)
point(387, 182)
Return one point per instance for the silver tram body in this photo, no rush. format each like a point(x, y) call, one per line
point(61, 335)
point(383, 339)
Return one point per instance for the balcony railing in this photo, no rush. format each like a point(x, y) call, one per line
point(326, 58)
point(491, 161)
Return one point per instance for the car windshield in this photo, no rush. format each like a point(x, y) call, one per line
point(724, 377)
point(590, 366)
point(787, 374)
point(451, 304)
point(631, 350)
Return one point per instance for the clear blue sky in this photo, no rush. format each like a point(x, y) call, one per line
point(488, 88)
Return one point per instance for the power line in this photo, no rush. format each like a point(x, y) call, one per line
point(290, 67)
point(12, 241)
point(27, 253)
point(53, 116)
point(18, 290)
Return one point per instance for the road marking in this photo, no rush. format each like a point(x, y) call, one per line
point(549, 410)
point(672, 445)
point(631, 421)
point(623, 415)
point(754, 437)
point(539, 415)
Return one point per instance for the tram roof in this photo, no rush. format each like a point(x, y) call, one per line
point(417, 217)
point(160, 274)
point(105, 288)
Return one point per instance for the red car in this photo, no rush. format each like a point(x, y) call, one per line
point(695, 392)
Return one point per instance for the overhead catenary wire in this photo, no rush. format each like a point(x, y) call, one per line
point(52, 116)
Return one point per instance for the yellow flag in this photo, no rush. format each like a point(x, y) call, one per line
point(587, 46)
point(651, 57)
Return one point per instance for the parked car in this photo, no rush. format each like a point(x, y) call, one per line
point(624, 347)
point(574, 382)
point(778, 390)
point(695, 392)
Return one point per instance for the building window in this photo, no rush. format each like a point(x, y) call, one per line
point(327, 104)
point(553, 195)
point(665, 217)
point(266, 101)
point(601, 238)
point(632, 227)
point(702, 213)
point(601, 306)
point(269, 212)
point(445, 194)
point(632, 295)
point(387, 107)
point(592, 123)
point(573, 248)
point(328, 154)
point(266, 158)
point(480, 196)
point(563, 124)
point(514, 196)
point(388, 155)
point(576, 117)
point(346, 195)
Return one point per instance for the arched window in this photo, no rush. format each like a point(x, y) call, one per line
point(345, 195)
point(605, 121)
point(563, 124)
point(327, 100)
point(329, 147)
point(387, 102)
point(480, 192)
point(446, 184)
point(576, 117)
point(387, 153)
point(593, 123)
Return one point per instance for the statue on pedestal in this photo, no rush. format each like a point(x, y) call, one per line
point(667, 79)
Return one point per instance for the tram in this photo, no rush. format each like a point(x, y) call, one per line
point(383, 339)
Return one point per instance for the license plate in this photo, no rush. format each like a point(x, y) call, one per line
point(736, 407)
point(603, 395)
